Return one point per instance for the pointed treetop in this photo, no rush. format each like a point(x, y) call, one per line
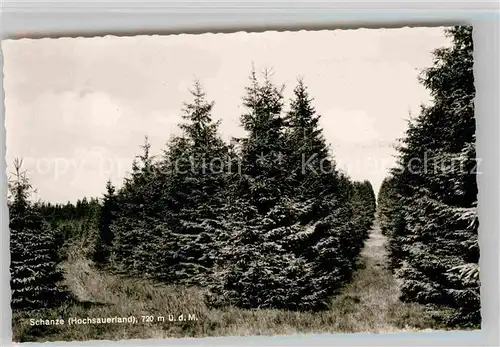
point(110, 188)
point(20, 188)
point(199, 128)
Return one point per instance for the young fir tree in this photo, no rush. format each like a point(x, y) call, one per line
point(258, 192)
point(197, 159)
point(263, 151)
point(434, 238)
point(107, 214)
point(311, 165)
point(135, 217)
point(364, 206)
point(33, 246)
point(196, 162)
point(391, 220)
point(289, 248)
point(168, 219)
point(385, 201)
point(328, 189)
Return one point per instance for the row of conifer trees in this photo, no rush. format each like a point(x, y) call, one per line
point(266, 221)
point(427, 207)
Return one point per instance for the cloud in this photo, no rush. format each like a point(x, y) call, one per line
point(67, 98)
point(89, 109)
point(349, 126)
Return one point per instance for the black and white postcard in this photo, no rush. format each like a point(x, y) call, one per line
point(240, 184)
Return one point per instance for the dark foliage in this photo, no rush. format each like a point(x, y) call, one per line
point(169, 210)
point(364, 205)
point(297, 242)
point(267, 221)
point(428, 205)
point(34, 250)
point(106, 216)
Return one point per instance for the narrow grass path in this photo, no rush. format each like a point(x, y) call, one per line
point(369, 303)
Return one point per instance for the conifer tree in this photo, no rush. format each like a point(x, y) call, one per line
point(196, 162)
point(197, 159)
point(364, 206)
point(312, 167)
point(134, 217)
point(33, 246)
point(434, 230)
point(291, 246)
point(263, 150)
point(169, 211)
point(107, 213)
point(385, 198)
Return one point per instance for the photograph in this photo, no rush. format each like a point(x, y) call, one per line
point(268, 183)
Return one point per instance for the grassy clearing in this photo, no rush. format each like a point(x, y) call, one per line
point(368, 304)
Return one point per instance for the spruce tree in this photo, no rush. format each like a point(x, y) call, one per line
point(33, 246)
point(197, 159)
point(311, 165)
point(292, 241)
point(434, 230)
point(197, 163)
point(263, 150)
point(134, 218)
point(168, 215)
point(364, 205)
point(107, 214)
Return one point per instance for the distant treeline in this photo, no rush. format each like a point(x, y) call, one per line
point(83, 209)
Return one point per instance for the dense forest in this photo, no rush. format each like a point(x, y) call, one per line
point(268, 221)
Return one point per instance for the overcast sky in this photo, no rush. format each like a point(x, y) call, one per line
point(77, 109)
